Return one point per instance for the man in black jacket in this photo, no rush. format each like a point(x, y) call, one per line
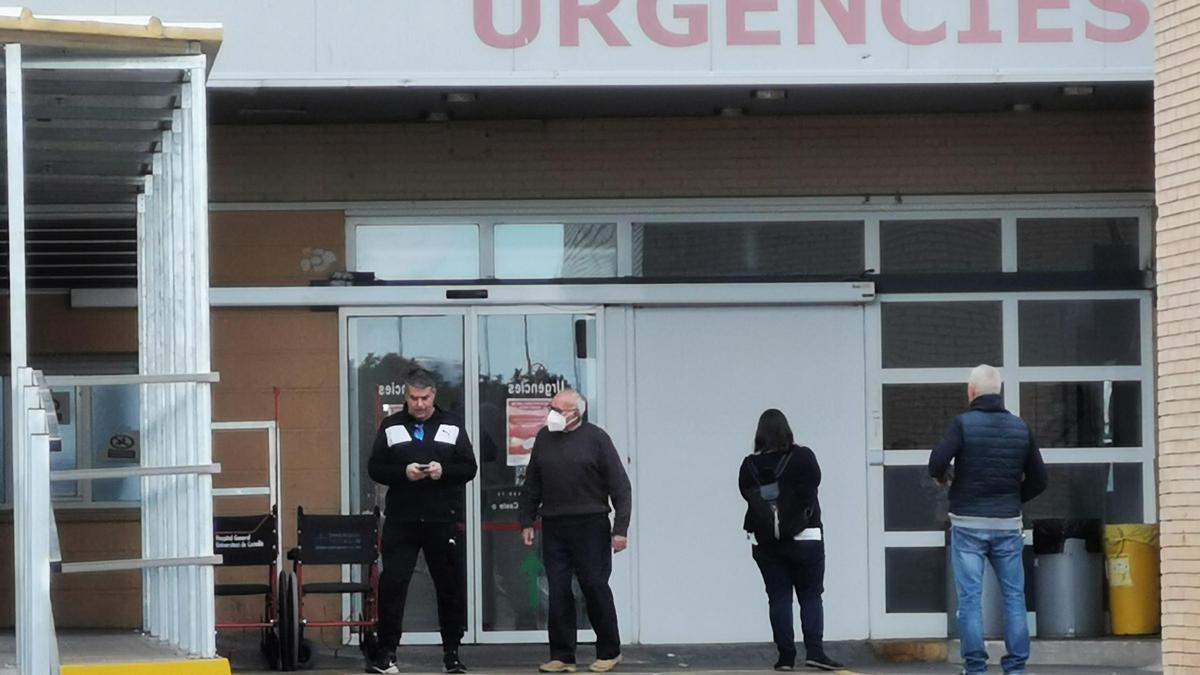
point(997, 467)
point(573, 472)
point(424, 457)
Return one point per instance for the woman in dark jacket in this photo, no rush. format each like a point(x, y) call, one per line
point(784, 523)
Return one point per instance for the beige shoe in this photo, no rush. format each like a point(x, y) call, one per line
point(556, 666)
point(605, 665)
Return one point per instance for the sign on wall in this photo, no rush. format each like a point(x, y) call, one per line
point(594, 42)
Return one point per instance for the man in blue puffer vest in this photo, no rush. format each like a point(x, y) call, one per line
point(997, 468)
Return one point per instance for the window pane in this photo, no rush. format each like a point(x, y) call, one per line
point(925, 246)
point(1083, 414)
point(555, 251)
point(524, 359)
point(116, 440)
point(942, 334)
point(66, 405)
point(1077, 244)
point(915, 579)
point(382, 351)
point(747, 249)
point(404, 252)
point(1111, 492)
point(1080, 333)
point(912, 501)
point(916, 415)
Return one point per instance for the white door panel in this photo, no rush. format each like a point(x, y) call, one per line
point(703, 376)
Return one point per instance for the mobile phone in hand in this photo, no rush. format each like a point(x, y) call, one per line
point(423, 467)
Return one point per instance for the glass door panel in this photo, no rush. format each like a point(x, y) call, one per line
point(383, 349)
point(524, 360)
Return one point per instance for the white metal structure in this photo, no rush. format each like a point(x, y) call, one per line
point(118, 109)
point(273, 489)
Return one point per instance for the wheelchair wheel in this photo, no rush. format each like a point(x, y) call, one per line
point(368, 642)
point(289, 622)
point(269, 645)
point(305, 655)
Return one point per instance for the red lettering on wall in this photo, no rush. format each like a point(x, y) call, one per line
point(571, 14)
point(485, 25)
point(893, 20)
point(735, 22)
point(980, 32)
point(1135, 11)
point(850, 19)
point(696, 17)
point(1029, 29)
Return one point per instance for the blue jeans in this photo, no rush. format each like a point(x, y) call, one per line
point(970, 548)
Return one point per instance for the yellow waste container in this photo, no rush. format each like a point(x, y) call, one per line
point(1131, 554)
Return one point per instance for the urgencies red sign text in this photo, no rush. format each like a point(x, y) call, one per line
point(1037, 21)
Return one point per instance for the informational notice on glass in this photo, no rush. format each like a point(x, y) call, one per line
point(524, 419)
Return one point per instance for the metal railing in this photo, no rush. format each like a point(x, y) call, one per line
point(177, 551)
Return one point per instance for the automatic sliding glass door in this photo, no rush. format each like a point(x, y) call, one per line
point(518, 359)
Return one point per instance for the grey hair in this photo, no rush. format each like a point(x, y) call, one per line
point(986, 380)
point(580, 401)
point(419, 378)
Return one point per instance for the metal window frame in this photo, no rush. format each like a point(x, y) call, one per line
point(910, 625)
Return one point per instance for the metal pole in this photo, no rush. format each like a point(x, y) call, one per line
point(197, 157)
point(33, 627)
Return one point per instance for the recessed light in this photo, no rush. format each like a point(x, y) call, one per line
point(770, 94)
point(731, 112)
point(271, 113)
point(1078, 90)
point(460, 97)
point(1021, 107)
point(437, 116)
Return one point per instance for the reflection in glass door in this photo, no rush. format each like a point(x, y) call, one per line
point(522, 357)
point(524, 360)
point(383, 349)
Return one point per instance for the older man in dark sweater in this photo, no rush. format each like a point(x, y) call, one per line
point(573, 473)
point(997, 467)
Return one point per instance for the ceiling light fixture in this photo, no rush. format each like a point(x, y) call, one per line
point(1078, 90)
point(731, 112)
point(770, 94)
point(460, 97)
point(1021, 107)
point(437, 116)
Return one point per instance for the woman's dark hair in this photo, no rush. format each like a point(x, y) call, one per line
point(773, 432)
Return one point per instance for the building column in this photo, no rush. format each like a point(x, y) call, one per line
point(1177, 254)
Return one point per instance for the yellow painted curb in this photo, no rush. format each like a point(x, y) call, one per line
point(189, 667)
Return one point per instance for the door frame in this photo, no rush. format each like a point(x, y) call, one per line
point(470, 315)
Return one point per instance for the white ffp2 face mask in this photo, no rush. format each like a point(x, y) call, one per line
point(556, 421)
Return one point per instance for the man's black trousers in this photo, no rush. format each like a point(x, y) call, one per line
point(443, 545)
point(580, 546)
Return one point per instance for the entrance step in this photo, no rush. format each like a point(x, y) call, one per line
point(114, 653)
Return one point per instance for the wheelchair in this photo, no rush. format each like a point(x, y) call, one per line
point(245, 541)
point(331, 540)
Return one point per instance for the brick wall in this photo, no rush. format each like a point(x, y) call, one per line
point(295, 351)
point(1177, 175)
point(686, 157)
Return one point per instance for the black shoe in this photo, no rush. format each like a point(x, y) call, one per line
point(452, 662)
point(383, 662)
point(784, 666)
point(822, 662)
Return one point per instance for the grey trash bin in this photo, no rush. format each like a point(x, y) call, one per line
point(992, 602)
point(1068, 578)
